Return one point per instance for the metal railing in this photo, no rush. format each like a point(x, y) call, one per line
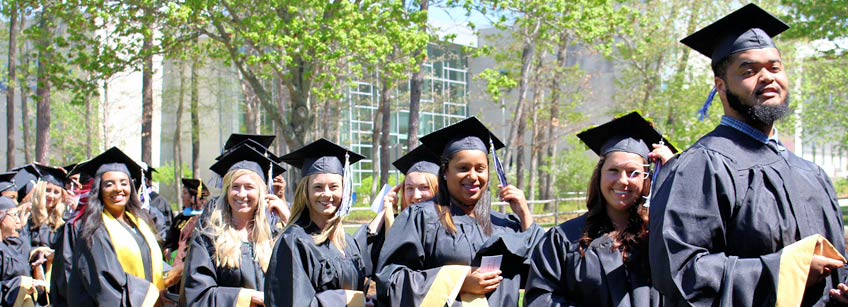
point(577, 199)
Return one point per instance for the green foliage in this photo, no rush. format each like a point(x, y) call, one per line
point(812, 19)
point(573, 168)
point(841, 186)
point(823, 95)
point(363, 192)
point(165, 174)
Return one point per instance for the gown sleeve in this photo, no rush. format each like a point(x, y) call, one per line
point(402, 278)
point(687, 232)
point(62, 264)
point(200, 279)
point(548, 272)
point(15, 281)
point(297, 272)
point(98, 279)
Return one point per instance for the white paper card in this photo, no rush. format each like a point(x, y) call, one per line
point(377, 204)
point(490, 263)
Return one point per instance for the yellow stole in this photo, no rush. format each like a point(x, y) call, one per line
point(795, 266)
point(446, 286)
point(129, 254)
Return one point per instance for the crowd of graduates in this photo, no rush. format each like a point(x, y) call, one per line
point(735, 220)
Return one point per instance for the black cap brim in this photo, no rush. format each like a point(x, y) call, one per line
point(631, 125)
point(244, 153)
point(306, 157)
point(252, 143)
point(112, 156)
point(192, 184)
point(419, 154)
point(442, 139)
point(733, 33)
point(236, 139)
point(52, 175)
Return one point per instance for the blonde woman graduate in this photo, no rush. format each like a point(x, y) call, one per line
point(433, 255)
point(117, 260)
point(229, 256)
point(420, 183)
point(315, 262)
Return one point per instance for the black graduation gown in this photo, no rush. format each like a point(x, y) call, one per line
point(161, 204)
point(43, 236)
point(722, 216)
point(63, 262)
point(304, 274)
point(98, 278)
point(560, 276)
point(172, 240)
point(370, 245)
point(418, 246)
point(158, 220)
point(207, 284)
point(14, 268)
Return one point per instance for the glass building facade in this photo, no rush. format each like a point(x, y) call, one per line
point(444, 101)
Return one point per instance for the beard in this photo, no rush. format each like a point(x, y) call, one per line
point(756, 114)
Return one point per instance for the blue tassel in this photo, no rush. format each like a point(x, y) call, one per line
point(705, 110)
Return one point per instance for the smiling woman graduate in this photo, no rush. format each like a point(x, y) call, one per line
point(229, 254)
point(600, 258)
point(117, 261)
point(431, 254)
point(315, 262)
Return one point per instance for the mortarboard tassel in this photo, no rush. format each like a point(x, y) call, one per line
point(705, 110)
point(347, 190)
point(200, 189)
point(498, 166)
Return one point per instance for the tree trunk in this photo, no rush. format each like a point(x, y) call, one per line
point(251, 104)
point(377, 126)
point(42, 125)
point(415, 85)
point(195, 120)
point(89, 137)
point(147, 95)
point(550, 180)
point(535, 140)
point(23, 83)
point(11, 128)
point(519, 125)
point(178, 131)
point(386, 129)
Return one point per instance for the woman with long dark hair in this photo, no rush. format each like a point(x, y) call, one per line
point(439, 253)
point(117, 261)
point(600, 258)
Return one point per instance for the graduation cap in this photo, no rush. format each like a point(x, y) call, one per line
point(321, 157)
point(25, 179)
point(49, 174)
point(259, 142)
point(7, 181)
point(148, 171)
point(193, 184)
point(749, 27)
point(468, 134)
point(70, 168)
point(629, 133)
point(246, 157)
point(112, 160)
point(6, 204)
point(420, 160)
